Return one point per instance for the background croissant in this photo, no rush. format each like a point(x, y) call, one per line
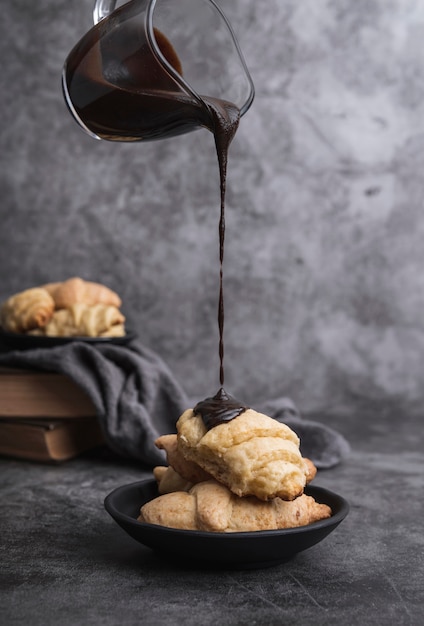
point(74, 307)
point(27, 310)
point(76, 290)
point(81, 320)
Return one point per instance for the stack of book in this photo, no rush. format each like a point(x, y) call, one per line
point(45, 416)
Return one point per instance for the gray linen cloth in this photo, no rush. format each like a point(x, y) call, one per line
point(137, 398)
point(323, 445)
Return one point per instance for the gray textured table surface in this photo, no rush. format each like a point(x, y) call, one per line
point(65, 561)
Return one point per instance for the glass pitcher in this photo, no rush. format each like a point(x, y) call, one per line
point(150, 68)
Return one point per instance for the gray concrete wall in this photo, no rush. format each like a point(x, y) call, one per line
point(324, 280)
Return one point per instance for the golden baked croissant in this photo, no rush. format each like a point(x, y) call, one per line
point(169, 480)
point(252, 454)
point(80, 320)
point(188, 470)
point(210, 506)
point(27, 310)
point(76, 290)
point(191, 473)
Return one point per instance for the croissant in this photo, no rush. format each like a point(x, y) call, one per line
point(210, 506)
point(191, 473)
point(27, 310)
point(188, 470)
point(76, 290)
point(252, 454)
point(81, 320)
point(169, 480)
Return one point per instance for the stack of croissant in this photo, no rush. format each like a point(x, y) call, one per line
point(72, 308)
point(243, 475)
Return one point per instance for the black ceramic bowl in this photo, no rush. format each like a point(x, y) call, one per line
point(243, 550)
point(21, 341)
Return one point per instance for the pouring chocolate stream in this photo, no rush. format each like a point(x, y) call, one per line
point(135, 99)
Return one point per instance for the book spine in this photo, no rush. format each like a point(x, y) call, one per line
point(42, 395)
point(32, 445)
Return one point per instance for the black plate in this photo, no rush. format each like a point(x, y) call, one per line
point(242, 550)
point(17, 341)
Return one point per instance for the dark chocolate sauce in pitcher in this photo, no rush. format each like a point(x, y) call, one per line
point(120, 92)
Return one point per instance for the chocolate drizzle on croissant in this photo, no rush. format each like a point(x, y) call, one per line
point(219, 409)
